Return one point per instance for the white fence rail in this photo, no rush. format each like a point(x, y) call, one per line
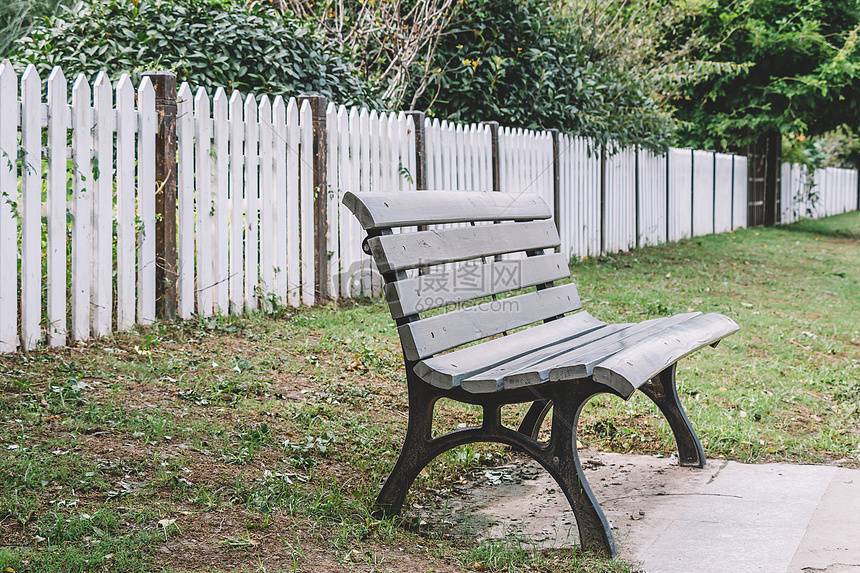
point(78, 215)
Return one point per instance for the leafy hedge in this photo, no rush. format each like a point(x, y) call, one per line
point(209, 43)
point(519, 63)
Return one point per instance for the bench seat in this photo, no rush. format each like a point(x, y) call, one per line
point(623, 356)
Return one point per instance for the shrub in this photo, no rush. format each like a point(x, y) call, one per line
point(211, 43)
point(519, 63)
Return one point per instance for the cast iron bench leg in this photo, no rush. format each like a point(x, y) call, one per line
point(662, 391)
point(559, 457)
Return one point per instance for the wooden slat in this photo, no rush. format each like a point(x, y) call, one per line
point(306, 183)
point(125, 204)
point(146, 202)
point(101, 287)
point(279, 120)
point(426, 248)
point(237, 206)
point(492, 380)
point(252, 247)
point(471, 281)
point(582, 362)
point(579, 362)
point(185, 202)
point(293, 252)
point(205, 220)
point(30, 209)
point(8, 221)
point(220, 204)
point(384, 210)
point(266, 204)
point(57, 198)
point(448, 370)
point(82, 183)
point(426, 337)
point(632, 367)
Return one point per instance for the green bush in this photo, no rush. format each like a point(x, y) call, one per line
point(210, 43)
point(519, 63)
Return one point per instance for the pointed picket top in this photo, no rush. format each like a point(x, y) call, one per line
point(235, 104)
point(220, 96)
point(184, 96)
point(146, 88)
point(250, 108)
point(29, 74)
point(278, 106)
point(81, 87)
point(101, 79)
point(202, 112)
point(57, 77)
point(265, 104)
point(200, 94)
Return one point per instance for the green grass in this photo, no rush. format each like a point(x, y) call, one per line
point(258, 443)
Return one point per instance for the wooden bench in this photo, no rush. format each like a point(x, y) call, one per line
point(559, 363)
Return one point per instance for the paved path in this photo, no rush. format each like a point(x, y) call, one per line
point(728, 517)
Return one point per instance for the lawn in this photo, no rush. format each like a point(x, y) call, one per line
point(258, 443)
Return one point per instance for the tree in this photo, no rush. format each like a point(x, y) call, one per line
point(802, 69)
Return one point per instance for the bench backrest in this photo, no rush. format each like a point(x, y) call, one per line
point(500, 223)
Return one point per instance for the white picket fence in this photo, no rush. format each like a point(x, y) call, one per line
point(77, 222)
point(97, 197)
point(829, 191)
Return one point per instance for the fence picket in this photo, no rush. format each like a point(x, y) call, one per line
point(252, 247)
point(8, 195)
point(279, 197)
point(82, 198)
point(30, 213)
point(307, 203)
point(293, 256)
point(237, 199)
point(146, 190)
point(185, 202)
point(333, 197)
point(204, 168)
point(58, 123)
point(125, 201)
point(266, 228)
point(221, 204)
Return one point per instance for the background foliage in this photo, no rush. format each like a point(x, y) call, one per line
point(522, 64)
point(802, 70)
point(209, 43)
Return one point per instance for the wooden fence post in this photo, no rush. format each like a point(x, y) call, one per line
point(165, 194)
point(318, 105)
point(556, 182)
point(420, 150)
point(638, 199)
point(494, 138)
point(602, 200)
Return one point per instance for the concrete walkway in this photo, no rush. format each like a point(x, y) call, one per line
point(727, 517)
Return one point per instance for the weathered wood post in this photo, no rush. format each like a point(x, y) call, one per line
point(318, 105)
point(637, 192)
point(165, 193)
point(556, 180)
point(420, 150)
point(602, 200)
point(494, 139)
